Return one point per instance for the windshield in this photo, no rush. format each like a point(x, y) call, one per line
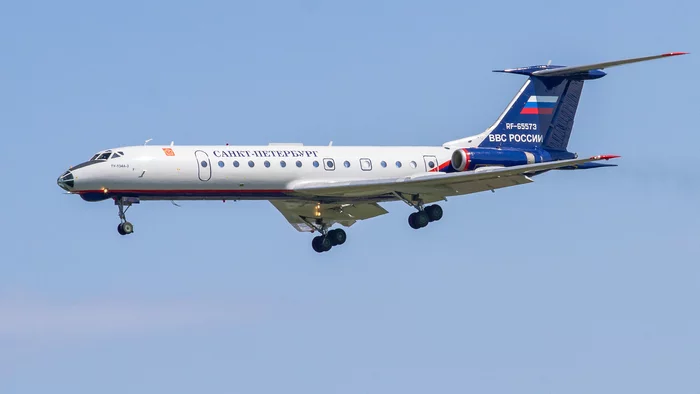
point(106, 155)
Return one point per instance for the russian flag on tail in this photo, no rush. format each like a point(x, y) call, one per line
point(539, 105)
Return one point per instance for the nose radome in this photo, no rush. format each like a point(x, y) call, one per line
point(66, 181)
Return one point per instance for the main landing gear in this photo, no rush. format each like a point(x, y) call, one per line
point(328, 238)
point(420, 219)
point(324, 243)
point(124, 228)
point(425, 215)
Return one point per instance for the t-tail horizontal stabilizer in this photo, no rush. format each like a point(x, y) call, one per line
point(588, 71)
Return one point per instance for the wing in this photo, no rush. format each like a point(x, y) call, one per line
point(301, 214)
point(438, 185)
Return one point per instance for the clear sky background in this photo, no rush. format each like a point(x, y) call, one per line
point(581, 282)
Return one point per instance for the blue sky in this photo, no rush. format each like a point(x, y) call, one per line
point(581, 282)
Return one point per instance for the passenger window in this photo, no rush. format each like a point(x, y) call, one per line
point(221, 164)
point(251, 164)
point(299, 163)
point(329, 164)
point(316, 163)
point(413, 164)
point(235, 163)
point(346, 164)
point(267, 164)
point(283, 163)
point(398, 164)
point(203, 163)
point(383, 163)
point(365, 164)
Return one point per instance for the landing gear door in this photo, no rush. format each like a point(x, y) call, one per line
point(203, 165)
point(431, 163)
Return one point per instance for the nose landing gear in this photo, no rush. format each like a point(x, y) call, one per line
point(125, 227)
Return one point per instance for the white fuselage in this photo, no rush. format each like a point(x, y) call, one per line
point(242, 172)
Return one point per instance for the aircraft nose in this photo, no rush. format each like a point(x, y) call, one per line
point(66, 181)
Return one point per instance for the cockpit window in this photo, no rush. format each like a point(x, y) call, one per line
point(106, 155)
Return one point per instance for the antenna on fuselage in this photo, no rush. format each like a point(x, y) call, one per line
point(172, 143)
point(147, 141)
point(330, 143)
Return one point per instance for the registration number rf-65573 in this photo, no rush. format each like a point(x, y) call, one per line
point(521, 126)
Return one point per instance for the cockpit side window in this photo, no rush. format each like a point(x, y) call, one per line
point(104, 156)
point(115, 155)
point(94, 157)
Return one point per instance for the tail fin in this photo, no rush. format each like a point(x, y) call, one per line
point(541, 115)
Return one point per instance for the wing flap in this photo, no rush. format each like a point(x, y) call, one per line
point(489, 184)
point(300, 213)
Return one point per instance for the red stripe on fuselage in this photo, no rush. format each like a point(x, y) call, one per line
point(441, 166)
point(187, 191)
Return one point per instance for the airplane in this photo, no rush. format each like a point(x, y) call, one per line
point(317, 187)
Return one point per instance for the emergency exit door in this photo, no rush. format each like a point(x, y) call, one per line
point(431, 163)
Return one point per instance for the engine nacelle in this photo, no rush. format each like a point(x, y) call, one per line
point(469, 159)
point(460, 159)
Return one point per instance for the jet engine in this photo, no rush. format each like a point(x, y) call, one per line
point(460, 159)
point(469, 159)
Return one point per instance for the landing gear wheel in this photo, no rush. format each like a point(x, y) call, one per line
point(124, 228)
point(127, 228)
point(411, 222)
point(434, 212)
point(421, 219)
point(337, 236)
point(315, 244)
point(325, 244)
point(321, 244)
point(418, 220)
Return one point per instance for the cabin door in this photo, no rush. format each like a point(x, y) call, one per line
point(203, 165)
